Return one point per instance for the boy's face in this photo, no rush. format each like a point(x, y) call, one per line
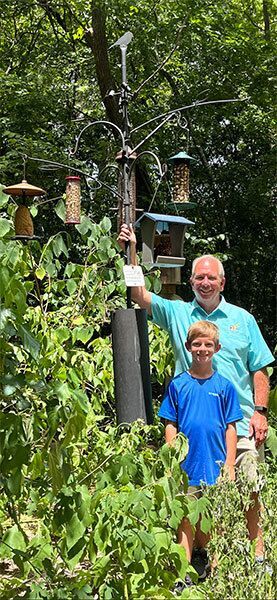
point(202, 349)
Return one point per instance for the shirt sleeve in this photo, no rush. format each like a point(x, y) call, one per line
point(169, 407)
point(259, 355)
point(161, 309)
point(232, 407)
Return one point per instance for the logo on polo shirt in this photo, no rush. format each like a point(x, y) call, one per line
point(213, 394)
point(234, 327)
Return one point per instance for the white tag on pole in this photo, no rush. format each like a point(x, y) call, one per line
point(133, 276)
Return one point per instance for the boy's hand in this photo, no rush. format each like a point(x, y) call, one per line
point(126, 235)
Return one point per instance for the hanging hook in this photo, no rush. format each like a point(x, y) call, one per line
point(24, 157)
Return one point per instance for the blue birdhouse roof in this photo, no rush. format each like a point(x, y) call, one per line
point(164, 219)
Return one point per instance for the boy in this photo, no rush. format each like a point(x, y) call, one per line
point(204, 406)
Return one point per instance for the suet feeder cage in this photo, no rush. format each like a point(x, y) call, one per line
point(132, 189)
point(73, 200)
point(163, 239)
point(181, 167)
point(23, 222)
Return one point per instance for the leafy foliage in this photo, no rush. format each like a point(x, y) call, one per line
point(88, 509)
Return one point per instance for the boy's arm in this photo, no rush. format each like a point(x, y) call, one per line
point(170, 432)
point(231, 449)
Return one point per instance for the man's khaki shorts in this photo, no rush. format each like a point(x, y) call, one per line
point(248, 459)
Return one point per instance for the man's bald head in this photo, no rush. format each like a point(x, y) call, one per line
point(208, 258)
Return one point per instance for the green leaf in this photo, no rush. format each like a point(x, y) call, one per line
point(14, 538)
point(62, 334)
point(71, 286)
point(5, 227)
point(106, 224)
point(180, 559)
point(54, 461)
point(59, 246)
point(4, 198)
point(162, 538)
point(82, 333)
point(271, 441)
point(5, 315)
point(74, 531)
point(60, 209)
point(33, 211)
point(40, 273)
point(30, 343)
point(273, 401)
point(84, 226)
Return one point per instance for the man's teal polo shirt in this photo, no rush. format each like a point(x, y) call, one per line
point(243, 347)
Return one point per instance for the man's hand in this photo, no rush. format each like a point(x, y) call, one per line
point(258, 427)
point(126, 235)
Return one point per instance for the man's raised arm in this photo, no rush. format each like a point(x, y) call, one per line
point(140, 295)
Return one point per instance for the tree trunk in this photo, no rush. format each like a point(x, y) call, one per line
point(266, 20)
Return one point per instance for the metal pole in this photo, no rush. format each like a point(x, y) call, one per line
point(125, 157)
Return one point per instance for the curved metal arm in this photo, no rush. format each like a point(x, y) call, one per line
point(105, 123)
point(170, 116)
point(172, 112)
point(62, 165)
point(151, 154)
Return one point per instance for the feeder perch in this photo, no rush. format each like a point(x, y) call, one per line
point(181, 166)
point(73, 200)
point(132, 189)
point(163, 239)
point(23, 223)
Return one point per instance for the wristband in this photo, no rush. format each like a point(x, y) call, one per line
point(262, 410)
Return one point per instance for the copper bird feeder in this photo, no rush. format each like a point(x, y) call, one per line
point(73, 200)
point(181, 167)
point(23, 223)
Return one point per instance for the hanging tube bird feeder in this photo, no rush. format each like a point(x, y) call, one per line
point(73, 200)
point(181, 168)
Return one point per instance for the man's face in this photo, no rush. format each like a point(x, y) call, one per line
point(207, 283)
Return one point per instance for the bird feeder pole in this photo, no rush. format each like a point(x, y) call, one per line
point(125, 154)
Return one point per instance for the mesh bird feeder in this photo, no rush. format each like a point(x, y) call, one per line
point(181, 167)
point(73, 200)
point(23, 222)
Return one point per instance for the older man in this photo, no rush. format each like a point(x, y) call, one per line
point(242, 359)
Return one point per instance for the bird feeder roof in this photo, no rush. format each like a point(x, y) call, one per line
point(23, 189)
point(164, 219)
point(181, 156)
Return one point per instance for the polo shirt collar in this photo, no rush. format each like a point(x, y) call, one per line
point(221, 308)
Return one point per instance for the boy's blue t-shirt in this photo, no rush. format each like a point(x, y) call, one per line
point(202, 408)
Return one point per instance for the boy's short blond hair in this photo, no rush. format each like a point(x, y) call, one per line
point(203, 329)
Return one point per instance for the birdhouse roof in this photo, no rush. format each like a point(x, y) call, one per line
point(181, 156)
point(23, 188)
point(164, 219)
